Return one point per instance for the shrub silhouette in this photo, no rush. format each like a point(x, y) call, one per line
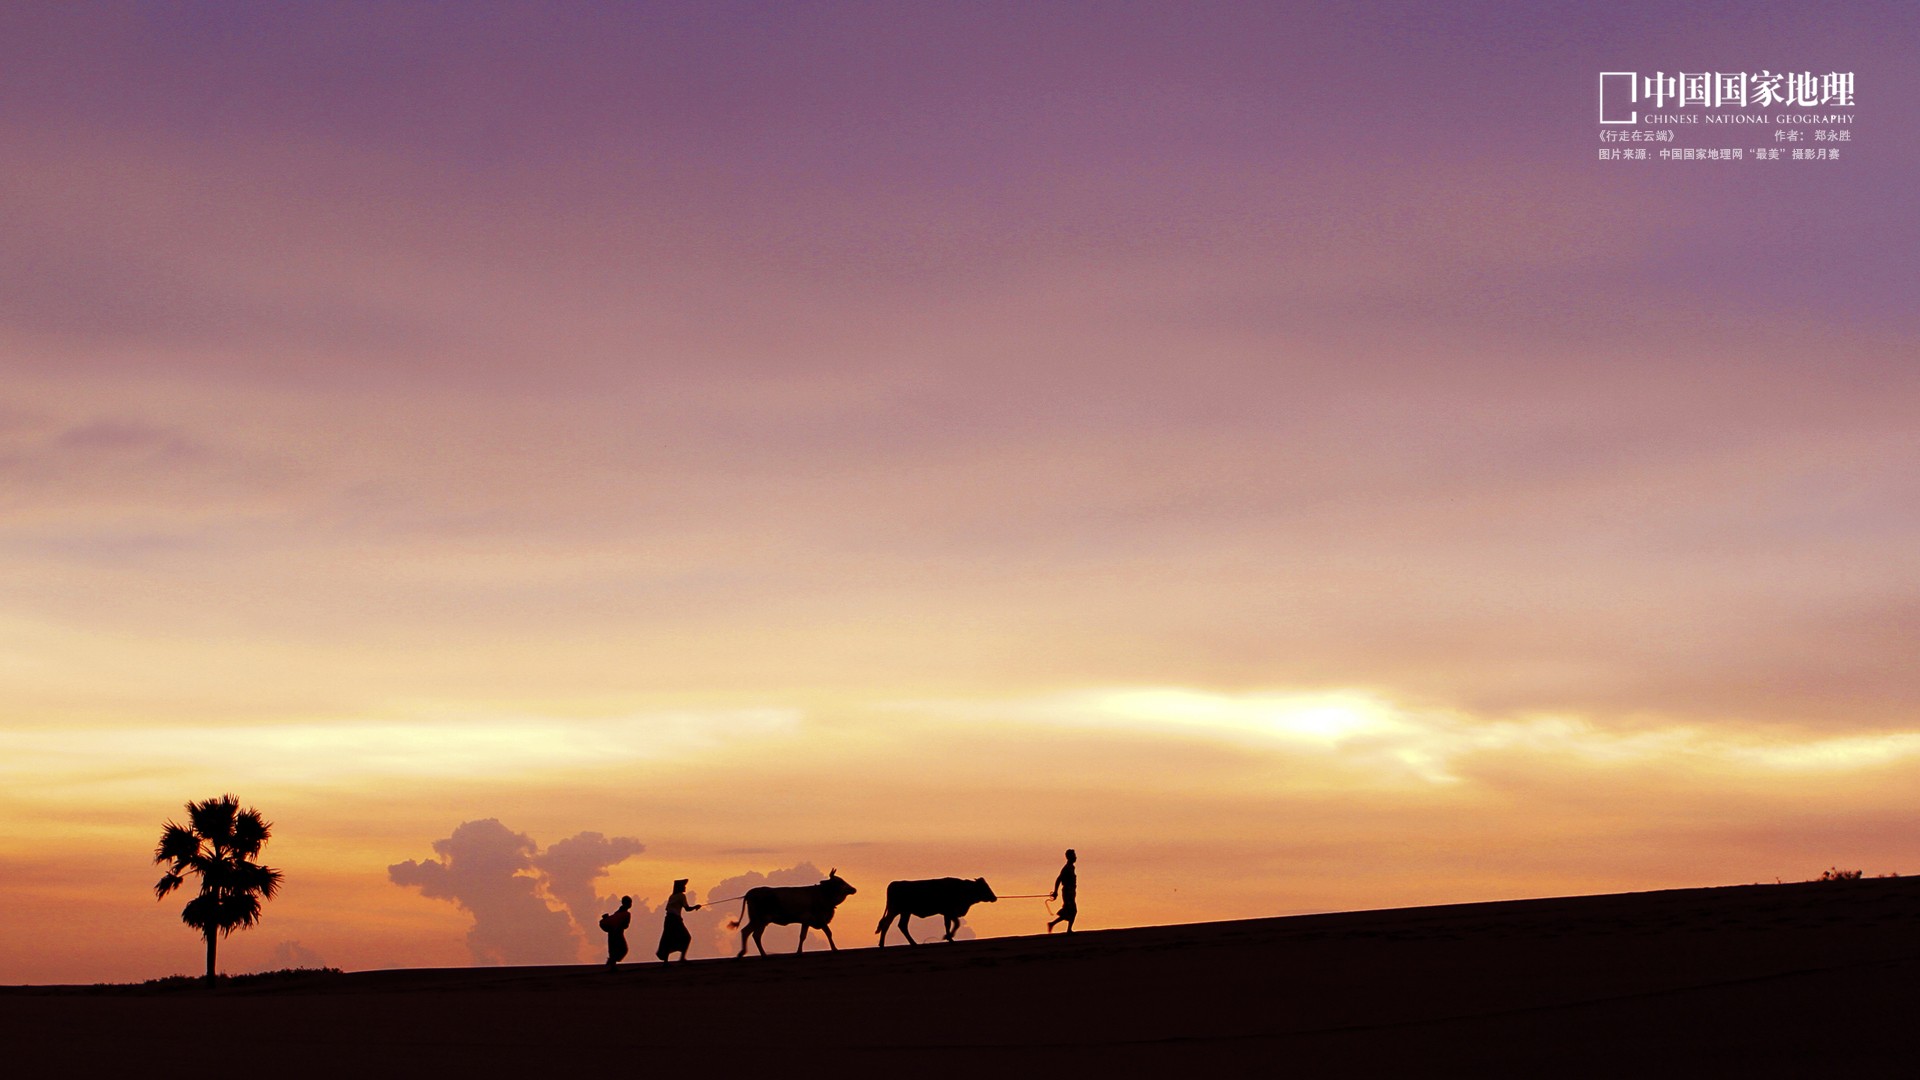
point(218, 843)
point(306, 974)
point(1834, 873)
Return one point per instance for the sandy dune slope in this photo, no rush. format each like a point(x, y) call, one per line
point(1759, 980)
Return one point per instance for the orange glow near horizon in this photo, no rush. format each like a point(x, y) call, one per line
point(1185, 805)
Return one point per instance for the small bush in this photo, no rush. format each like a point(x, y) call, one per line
point(1834, 873)
point(241, 980)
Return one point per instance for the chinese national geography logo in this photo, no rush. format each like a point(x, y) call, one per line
point(1624, 95)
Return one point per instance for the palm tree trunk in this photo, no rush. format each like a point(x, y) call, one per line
point(210, 940)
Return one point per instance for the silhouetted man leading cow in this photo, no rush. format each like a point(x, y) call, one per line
point(813, 907)
point(1065, 888)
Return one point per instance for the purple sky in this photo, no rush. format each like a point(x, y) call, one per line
point(1102, 387)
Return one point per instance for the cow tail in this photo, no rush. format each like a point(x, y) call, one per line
point(734, 923)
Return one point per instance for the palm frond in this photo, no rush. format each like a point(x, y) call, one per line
point(213, 819)
point(250, 832)
point(202, 912)
point(252, 878)
point(236, 911)
point(206, 864)
point(166, 885)
point(177, 844)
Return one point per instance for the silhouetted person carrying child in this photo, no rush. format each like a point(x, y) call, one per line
point(1063, 889)
point(615, 924)
point(673, 934)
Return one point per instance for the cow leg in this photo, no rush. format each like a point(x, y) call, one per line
point(828, 930)
point(744, 931)
point(803, 938)
point(903, 930)
point(886, 921)
point(952, 925)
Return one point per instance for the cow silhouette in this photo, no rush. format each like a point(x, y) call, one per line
point(809, 905)
point(948, 897)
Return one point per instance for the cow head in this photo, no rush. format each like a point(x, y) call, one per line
point(837, 886)
point(984, 891)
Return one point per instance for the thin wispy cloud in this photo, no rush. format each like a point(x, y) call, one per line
point(348, 752)
point(1371, 732)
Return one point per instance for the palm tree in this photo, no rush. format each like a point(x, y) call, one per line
point(219, 843)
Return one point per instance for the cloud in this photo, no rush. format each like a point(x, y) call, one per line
point(292, 954)
point(571, 866)
point(1376, 737)
point(69, 477)
point(496, 875)
point(339, 752)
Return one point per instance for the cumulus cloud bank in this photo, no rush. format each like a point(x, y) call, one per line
point(292, 954)
point(571, 866)
point(509, 885)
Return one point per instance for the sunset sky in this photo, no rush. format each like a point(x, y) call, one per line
point(1256, 445)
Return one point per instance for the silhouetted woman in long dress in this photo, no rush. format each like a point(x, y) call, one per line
point(615, 924)
point(1063, 890)
point(674, 937)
